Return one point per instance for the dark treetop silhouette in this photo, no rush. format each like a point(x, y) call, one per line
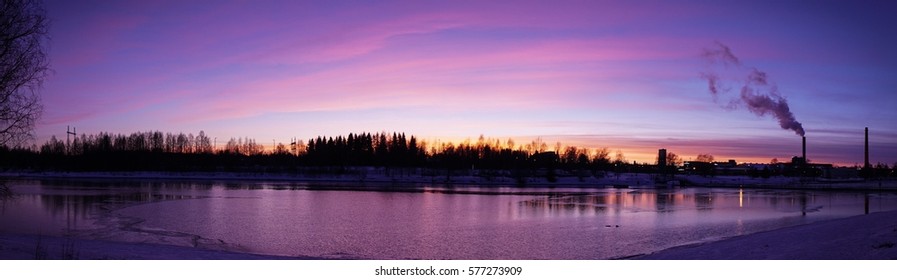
point(157, 151)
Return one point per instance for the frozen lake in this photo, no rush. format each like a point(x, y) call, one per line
point(414, 222)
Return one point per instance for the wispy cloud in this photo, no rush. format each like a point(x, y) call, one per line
point(518, 68)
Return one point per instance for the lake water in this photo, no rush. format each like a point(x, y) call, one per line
point(414, 222)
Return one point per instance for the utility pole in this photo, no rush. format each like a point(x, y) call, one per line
point(67, 141)
point(294, 147)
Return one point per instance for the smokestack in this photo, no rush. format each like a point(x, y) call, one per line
point(662, 158)
point(866, 162)
point(804, 149)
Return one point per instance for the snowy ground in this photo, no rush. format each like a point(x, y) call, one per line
point(782, 182)
point(31, 247)
point(866, 237)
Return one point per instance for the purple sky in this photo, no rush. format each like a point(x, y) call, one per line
point(624, 75)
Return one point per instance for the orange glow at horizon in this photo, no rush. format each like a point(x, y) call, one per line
point(631, 153)
point(590, 74)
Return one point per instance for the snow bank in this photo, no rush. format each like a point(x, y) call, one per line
point(30, 247)
point(866, 237)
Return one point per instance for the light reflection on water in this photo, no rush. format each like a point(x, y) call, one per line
point(421, 222)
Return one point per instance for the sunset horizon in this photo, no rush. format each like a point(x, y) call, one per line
point(525, 139)
point(588, 74)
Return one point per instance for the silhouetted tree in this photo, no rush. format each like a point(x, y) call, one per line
point(157, 142)
point(382, 148)
point(601, 158)
point(619, 158)
point(23, 66)
point(705, 158)
point(53, 146)
point(673, 159)
point(280, 149)
point(203, 143)
point(233, 146)
point(414, 152)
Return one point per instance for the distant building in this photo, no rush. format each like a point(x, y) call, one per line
point(797, 167)
point(730, 167)
point(662, 158)
point(698, 167)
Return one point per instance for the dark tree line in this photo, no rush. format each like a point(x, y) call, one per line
point(365, 149)
point(150, 141)
point(140, 151)
point(396, 150)
point(158, 151)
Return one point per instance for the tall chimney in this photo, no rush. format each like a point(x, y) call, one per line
point(804, 149)
point(866, 162)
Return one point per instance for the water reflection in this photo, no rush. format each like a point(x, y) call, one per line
point(104, 184)
point(5, 192)
point(662, 201)
point(62, 206)
point(866, 203)
point(423, 222)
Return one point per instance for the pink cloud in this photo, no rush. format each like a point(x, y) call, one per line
point(354, 40)
point(512, 76)
point(177, 64)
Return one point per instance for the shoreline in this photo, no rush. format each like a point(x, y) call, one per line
point(15, 246)
point(612, 180)
point(628, 179)
point(865, 237)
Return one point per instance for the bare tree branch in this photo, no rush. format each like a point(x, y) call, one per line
point(23, 67)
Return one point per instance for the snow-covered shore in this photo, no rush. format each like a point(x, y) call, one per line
point(781, 182)
point(363, 175)
point(376, 176)
point(30, 247)
point(865, 237)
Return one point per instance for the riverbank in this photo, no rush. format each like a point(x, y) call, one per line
point(363, 176)
point(867, 237)
point(379, 176)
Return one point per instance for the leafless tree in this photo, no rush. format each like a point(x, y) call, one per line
point(673, 159)
point(23, 67)
point(619, 157)
point(705, 158)
point(601, 156)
